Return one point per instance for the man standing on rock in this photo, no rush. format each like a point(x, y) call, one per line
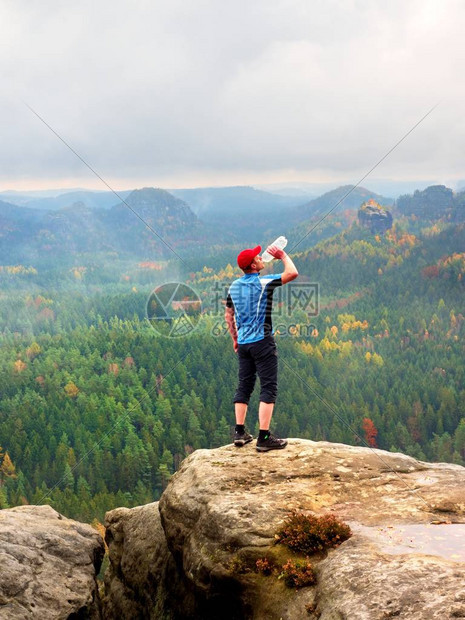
point(248, 315)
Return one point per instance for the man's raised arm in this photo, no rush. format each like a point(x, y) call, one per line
point(290, 270)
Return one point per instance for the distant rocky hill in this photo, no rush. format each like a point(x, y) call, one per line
point(218, 223)
point(35, 235)
point(90, 198)
point(320, 218)
point(238, 200)
point(253, 216)
point(319, 206)
point(435, 202)
point(170, 217)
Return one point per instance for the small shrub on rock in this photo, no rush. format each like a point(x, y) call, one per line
point(309, 534)
point(298, 574)
point(264, 566)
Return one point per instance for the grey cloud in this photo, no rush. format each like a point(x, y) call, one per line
point(171, 90)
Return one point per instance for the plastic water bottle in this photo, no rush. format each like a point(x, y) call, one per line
point(281, 242)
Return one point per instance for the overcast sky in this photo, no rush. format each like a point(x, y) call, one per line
point(178, 93)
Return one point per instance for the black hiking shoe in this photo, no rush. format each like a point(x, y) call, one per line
point(271, 443)
point(240, 439)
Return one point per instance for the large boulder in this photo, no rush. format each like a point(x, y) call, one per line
point(221, 512)
point(48, 565)
point(142, 580)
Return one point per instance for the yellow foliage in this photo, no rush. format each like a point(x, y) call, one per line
point(407, 239)
point(328, 345)
point(101, 530)
point(307, 348)
point(33, 351)
point(343, 347)
point(352, 323)
point(377, 360)
point(71, 389)
point(346, 348)
point(368, 356)
point(391, 262)
point(19, 366)
point(79, 272)
point(17, 269)
point(345, 318)
point(7, 468)
point(229, 271)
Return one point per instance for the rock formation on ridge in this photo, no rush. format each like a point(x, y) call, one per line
point(375, 217)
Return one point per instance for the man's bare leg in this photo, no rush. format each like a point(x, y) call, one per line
point(266, 441)
point(241, 412)
point(265, 411)
point(241, 436)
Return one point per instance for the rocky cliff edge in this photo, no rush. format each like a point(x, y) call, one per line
point(194, 554)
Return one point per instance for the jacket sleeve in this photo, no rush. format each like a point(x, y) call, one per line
point(275, 278)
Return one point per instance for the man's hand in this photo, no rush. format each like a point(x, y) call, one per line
point(236, 346)
point(275, 251)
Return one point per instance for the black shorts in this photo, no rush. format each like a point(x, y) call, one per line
point(260, 358)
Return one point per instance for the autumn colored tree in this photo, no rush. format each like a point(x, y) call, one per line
point(7, 469)
point(33, 350)
point(19, 366)
point(370, 432)
point(71, 389)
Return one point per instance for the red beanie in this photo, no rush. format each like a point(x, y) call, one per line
point(246, 256)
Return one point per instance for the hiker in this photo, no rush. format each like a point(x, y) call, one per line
point(248, 315)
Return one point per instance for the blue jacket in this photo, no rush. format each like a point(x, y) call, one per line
point(251, 297)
